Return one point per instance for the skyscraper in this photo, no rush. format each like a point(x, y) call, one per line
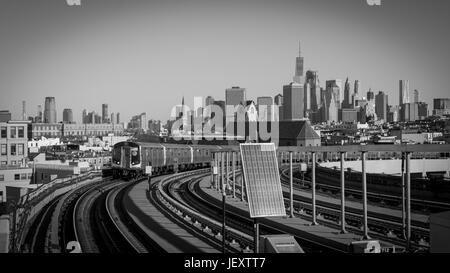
point(299, 78)
point(416, 96)
point(312, 78)
point(112, 118)
point(335, 86)
point(347, 102)
point(279, 102)
point(118, 118)
point(233, 97)
point(67, 116)
point(403, 92)
point(24, 111)
point(105, 117)
point(278, 99)
point(381, 106)
point(50, 110)
point(209, 101)
point(38, 118)
point(370, 95)
point(293, 97)
point(265, 108)
point(356, 87)
point(84, 117)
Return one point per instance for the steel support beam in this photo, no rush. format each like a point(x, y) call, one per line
point(313, 189)
point(343, 194)
point(291, 187)
point(234, 174)
point(408, 200)
point(364, 197)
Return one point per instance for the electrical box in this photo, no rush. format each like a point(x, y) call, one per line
point(148, 170)
point(303, 167)
point(372, 246)
point(282, 243)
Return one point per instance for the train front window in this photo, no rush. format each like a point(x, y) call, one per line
point(116, 155)
point(135, 156)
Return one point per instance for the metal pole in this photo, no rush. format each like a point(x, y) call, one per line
point(408, 201)
point(342, 194)
point(313, 188)
point(403, 198)
point(227, 170)
point(291, 187)
point(364, 191)
point(223, 219)
point(234, 174)
point(256, 234)
point(242, 179)
point(223, 171)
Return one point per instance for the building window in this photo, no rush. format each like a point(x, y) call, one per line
point(23, 176)
point(2, 177)
point(12, 132)
point(13, 162)
point(3, 150)
point(3, 163)
point(17, 176)
point(20, 149)
point(21, 132)
point(4, 132)
point(13, 148)
point(30, 175)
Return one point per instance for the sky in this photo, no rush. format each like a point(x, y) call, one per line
point(144, 56)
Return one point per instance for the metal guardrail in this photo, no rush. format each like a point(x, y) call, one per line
point(195, 217)
point(23, 209)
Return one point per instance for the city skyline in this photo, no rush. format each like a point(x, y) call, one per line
point(255, 64)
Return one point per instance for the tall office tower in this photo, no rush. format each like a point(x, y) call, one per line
point(312, 78)
point(265, 108)
point(98, 118)
point(209, 101)
point(416, 96)
point(279, 102)
point(233, 97)
point(293, 101)
point(370, 95)
point(403, 92)
point(307, 98)
point(330, 104)
point(38, 118)
point(381, 106)
point(278, 99)
point(118, 118)
point(347, 102)
point(67, 116)
point(356, 87)
point(112, 119)
point(24, 111)
point(84, 117)
point(50, 110)
point(104, 113)
point(144, 122)
point(336, 87)
point(299, 78)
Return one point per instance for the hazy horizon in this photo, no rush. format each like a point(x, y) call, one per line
point(143, 56)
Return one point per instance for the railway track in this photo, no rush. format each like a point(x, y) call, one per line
point(376, 220)
point(392, 201)
point(186, 192)
point(168, 196)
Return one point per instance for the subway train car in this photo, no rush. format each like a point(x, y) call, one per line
point(130, 159)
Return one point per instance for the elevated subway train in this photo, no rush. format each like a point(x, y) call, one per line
point(130, 159)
